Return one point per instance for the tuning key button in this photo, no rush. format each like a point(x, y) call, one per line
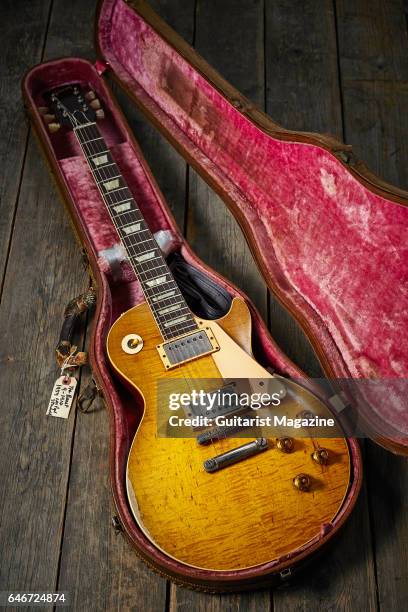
point(90, 96)
point(95, 104)
point(285, 445)
point(100, 114)
point(43, 110)
point(54, 127)
point(301, 482)
point(321, 456)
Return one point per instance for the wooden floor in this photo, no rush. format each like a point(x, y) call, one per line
point(337, 66)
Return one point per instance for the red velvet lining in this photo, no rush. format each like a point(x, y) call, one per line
point(336, 250)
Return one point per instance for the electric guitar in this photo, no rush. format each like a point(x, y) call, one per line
point(203, 497)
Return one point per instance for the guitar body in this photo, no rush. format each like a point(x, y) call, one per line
point(246, 514)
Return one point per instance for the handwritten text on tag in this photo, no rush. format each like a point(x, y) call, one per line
point(62, 397)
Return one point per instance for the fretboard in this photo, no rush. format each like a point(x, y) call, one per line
point(162, 293)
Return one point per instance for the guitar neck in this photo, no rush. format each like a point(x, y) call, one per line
point(162, 293)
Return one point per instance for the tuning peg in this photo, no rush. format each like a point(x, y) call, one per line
point(54, 127)
point(49, 118)
point(90, 96)
point(43, 110)
point(100, 114)
point(95, 104)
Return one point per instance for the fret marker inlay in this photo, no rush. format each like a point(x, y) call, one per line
point(122, 207)
point(131, 229)
point(109, 185)
point(99, 161)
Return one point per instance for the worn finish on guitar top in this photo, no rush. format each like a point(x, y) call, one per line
point(246, 514)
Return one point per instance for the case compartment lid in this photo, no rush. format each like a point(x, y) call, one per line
point(330, 238)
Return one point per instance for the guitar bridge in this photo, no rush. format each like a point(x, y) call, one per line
point(186, 348)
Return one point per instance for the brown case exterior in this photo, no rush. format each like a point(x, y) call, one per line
point(120, 433)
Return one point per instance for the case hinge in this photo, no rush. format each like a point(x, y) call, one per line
point(116, 524)
point(285, 574)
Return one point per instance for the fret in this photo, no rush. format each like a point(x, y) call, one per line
point(166, 301)
point(154, 282)
point(157, 288)
point(115, 190)
point(109, 175)
point(170, 308)
point(152, 240)
point(152, 269)
point(92, 140)
point(129, 237)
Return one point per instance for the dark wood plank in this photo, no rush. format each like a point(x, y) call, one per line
point(374, 66)
point(253, 601)
point(35, 453)
point(34, 456)
point(23, 41)
point(229, 35)
point(303, 93)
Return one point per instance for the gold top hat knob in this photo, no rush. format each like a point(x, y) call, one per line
point(321, 456)
point(285, 445)
point(301, 482)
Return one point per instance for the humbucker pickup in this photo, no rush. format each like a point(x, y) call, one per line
point(187, 347)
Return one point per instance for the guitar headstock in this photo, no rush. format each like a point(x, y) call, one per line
point(69, 106)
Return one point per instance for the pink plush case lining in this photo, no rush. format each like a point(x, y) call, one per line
point(337, 251)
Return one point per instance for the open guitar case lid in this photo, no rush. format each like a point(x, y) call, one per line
point(329, 237)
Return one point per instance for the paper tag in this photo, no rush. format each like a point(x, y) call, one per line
point(62, 397)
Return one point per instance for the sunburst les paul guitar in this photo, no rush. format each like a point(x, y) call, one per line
point(209, 500)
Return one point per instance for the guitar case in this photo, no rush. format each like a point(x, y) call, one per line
point(329, 237)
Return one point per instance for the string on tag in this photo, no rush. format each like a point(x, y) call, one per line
point(67, 366)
